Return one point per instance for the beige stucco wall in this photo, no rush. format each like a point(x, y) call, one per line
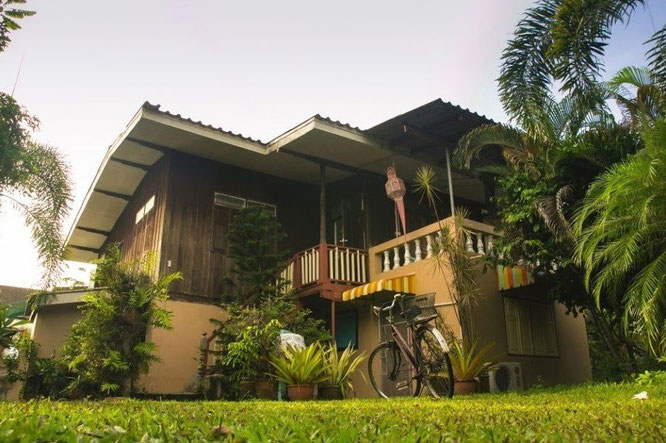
point(52, 326)
point(572, 366)
point(178, 348)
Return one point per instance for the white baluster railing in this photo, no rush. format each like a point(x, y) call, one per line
point(478, 239)
point(347, 265)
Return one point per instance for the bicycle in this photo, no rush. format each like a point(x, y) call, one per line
point(427, 359)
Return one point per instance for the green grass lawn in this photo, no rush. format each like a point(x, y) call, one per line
point(593, 412)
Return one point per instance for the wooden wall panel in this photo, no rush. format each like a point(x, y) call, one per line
point(138, 238)
point(188, 231)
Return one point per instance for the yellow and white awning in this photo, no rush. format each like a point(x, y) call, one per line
point(404, 284)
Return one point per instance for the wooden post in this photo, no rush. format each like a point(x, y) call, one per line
point(333, 320)
point(322, 203)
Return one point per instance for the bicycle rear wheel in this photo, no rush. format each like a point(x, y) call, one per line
point(389, 372)
point(434, 361)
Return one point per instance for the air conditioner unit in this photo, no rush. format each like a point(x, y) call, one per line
point(506, 376)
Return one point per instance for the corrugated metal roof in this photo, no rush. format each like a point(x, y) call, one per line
point(157, 108)
point(438, 118)
point(13, 294)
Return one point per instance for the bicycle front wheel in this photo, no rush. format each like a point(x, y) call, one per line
point(390, 374)
point(434, 361)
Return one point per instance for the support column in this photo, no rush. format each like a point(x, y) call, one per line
point(333, 320)
point(322, 203)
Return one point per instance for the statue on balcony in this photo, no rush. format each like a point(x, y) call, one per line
point(395, 190)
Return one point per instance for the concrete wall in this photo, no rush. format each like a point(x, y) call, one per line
point(571, 366)
point(52, 326)
point(178, 348)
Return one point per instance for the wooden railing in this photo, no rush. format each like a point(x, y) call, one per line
point(423, 243)
point(326, 263)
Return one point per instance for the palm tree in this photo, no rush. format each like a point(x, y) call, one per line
point(34, 179)
point(553, 162)
point(637, 93)
point(563, 42)
point(621, 226)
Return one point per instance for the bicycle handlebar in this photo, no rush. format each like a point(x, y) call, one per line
point(385, 308)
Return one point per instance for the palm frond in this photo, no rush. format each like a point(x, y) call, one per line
point(526, 73)
point(580, 33)
point(656, 55)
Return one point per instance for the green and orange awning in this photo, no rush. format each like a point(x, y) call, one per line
point(510, 277)
point(403, 284)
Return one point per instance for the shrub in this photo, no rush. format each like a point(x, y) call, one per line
point(107, 350)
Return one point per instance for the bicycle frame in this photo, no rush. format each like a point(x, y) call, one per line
point(404, 347)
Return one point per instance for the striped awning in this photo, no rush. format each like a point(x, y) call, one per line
point(405, 284)
point(509, 277)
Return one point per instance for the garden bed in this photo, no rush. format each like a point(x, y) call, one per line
point(593, 412)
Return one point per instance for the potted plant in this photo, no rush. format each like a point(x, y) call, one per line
point(338, 370)
point(300, 369)
point(469, 362)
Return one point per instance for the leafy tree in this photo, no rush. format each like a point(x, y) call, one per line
point(558, 149)
point(254, 240)
point(33, 177)
point(621, 227)
point(108, 350)
point(9, 16)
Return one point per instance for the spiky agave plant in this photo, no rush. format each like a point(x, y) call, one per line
point(339, 367)
point(299, 366)
point(469, 360)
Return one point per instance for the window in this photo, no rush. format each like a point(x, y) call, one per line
point(233, 202)
point(530, 328)
point(145, 209)
point(225, 208)
point(346, 329)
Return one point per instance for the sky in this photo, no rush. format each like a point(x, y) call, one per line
point(258, 68)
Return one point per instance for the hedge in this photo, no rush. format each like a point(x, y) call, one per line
point(591, 412)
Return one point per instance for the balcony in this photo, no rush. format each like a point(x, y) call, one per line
point(419, 245)
point(326, 269)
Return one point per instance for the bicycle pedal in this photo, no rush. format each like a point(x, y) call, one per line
point(402, 385)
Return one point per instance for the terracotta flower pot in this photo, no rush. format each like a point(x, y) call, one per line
point(265, 389)
point(330, 393)
point(465, 387)
point(247, 389)
point(300, 392)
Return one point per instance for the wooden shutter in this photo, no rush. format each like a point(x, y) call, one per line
point(512, 326)
point(538, 314)
point(525, 326)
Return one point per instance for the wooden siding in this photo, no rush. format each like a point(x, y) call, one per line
point(188, 231)
point(138, 238)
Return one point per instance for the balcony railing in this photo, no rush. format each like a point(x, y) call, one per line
point(420, 244)
point(326, 264)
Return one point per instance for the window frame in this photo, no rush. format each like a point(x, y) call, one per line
point(530, 303)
